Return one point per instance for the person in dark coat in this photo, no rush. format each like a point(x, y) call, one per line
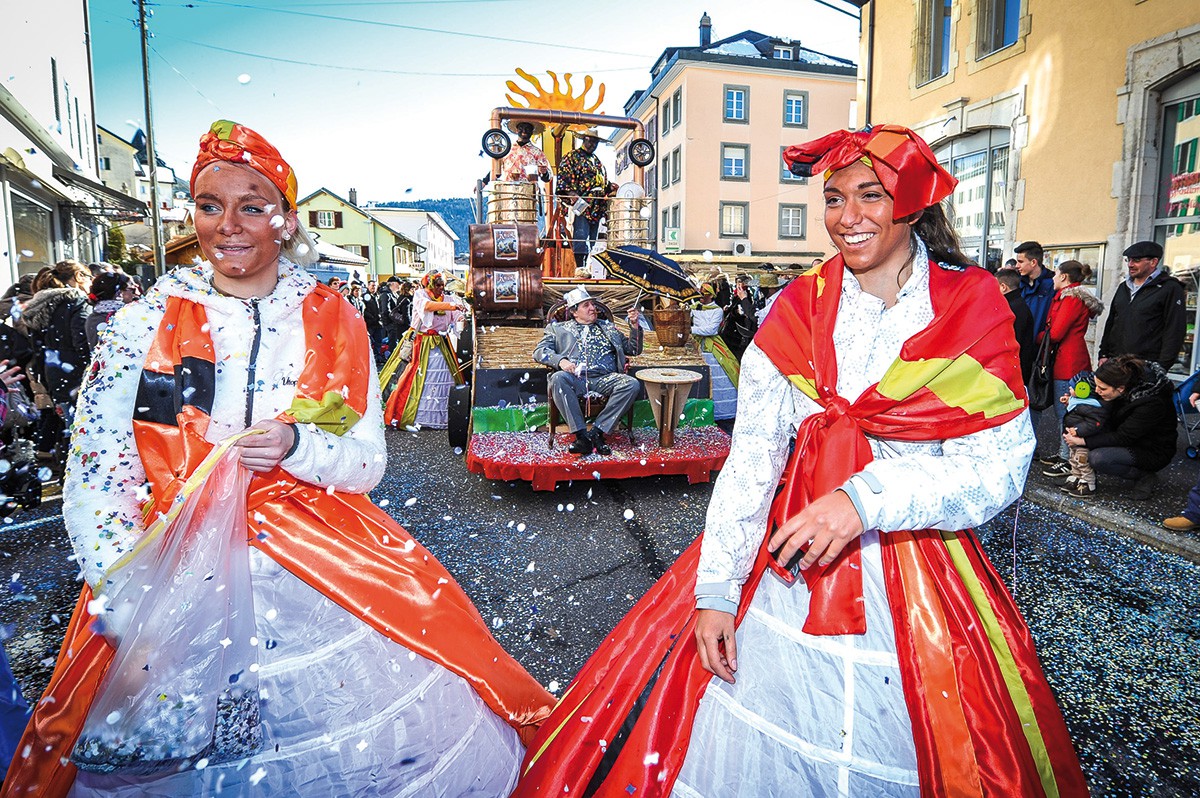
point(1146, 318)
point(1037, 282)
point(741, 318)
point(1010, 285)
point(56, 318)
point(1139, 439)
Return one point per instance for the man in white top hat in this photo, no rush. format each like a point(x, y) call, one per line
point(589, 354)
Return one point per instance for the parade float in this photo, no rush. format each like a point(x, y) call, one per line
point(521, 266)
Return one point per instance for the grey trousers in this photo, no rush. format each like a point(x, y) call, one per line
point(567, 389)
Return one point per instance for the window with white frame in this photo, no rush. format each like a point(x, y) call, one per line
point(105, 163)
point(735, 161)
point(737, 104)
point(733, 219)
point(676, 165)
point(666, 171)
point(675, 215)
point(677, 107)
point(325, 220)
point(999, 22)
point(795, 109)
point(980, 163)
point(792, 219)
point(783, 53)
point(666, 118)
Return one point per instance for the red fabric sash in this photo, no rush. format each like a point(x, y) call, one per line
point(647, 673)
point(340, 544)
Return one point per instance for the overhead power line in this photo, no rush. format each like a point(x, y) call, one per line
point(399, 26)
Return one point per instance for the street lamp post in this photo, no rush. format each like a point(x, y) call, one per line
point(160, 257)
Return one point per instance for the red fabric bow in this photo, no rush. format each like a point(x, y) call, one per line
point(900, 158)
point(229, 141)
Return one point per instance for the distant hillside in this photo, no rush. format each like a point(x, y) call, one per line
point(456, 211)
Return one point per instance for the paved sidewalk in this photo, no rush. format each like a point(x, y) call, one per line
point(1111, 506)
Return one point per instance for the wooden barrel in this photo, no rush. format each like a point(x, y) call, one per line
point(673, 325)
point(505, 288)
point(626, 225)
point(512, 202)
point(505, 245)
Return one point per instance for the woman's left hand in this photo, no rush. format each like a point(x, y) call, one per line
point(823, 527)
point(263, 452)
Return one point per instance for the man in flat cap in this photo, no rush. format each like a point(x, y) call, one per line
point(589, 355)
point(1146, 317)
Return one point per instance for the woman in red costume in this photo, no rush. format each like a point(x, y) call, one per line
point(376, 674)
point(841, 632)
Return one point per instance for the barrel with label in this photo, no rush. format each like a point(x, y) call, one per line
point(505, 245)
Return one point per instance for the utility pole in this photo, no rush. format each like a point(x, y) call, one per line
point(160, 258)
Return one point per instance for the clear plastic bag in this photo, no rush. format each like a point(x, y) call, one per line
point(183, 685)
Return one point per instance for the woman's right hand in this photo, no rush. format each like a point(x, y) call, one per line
point(714, 628)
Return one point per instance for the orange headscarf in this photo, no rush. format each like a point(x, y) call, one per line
point(427, 284)
point(229, 141)
point(900, 158)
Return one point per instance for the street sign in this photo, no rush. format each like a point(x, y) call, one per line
point(670, 240)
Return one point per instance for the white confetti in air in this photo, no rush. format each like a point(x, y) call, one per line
point(113, 718)
point(497, 622)
point(410, 502)
point(201, 763)
point(560, 508)
point(362, 745)
point(302, 249)
point(271, 614)
point(629, 515)
point(530, 568)
point(258, 776)
point(225, 642)
point(243, 78)
point(384, 502)
point(96, 605)
point(520, 527)
point(553, 687)
point(447, 517)
point(651, 758)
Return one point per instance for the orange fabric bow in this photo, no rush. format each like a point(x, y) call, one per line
point(229, 141)
point(900, 158)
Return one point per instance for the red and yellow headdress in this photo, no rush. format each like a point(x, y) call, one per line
point(229, 141)
point(900, 158)
point(427, 280)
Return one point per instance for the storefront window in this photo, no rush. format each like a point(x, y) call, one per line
point(1177, 218)
point(980, 162)
point(31, 225)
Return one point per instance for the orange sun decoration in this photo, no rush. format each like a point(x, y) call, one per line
point(559, 98)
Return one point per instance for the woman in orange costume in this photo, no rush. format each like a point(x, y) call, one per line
point(899, 665)
point(377, 675)
point(422, 395)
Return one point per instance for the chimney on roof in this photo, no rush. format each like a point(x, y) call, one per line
point(354, 197)
point(705, 30)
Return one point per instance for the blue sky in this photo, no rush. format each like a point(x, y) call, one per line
point(392, 96)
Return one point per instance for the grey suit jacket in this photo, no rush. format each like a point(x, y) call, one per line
point(562, 341)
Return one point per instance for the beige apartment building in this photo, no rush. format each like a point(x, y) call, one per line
point(1070, 122)
point(720, 115)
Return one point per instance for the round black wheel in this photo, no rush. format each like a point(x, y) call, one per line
point(1193, 452)
point(458, 419)
point(641, 152)
point(496, 143)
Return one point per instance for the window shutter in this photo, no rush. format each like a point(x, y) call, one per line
point(312, 218)
point(337, 218)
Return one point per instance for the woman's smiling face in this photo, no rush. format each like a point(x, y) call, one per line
point(240, 223)
point(858, 218)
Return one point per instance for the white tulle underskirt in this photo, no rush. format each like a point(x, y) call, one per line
point(346, 712)
point(809, 716)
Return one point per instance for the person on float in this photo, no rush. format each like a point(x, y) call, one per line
point(589, 354)
point(376, 672)
point(900, 665)
point(422, 395)
point(723, 366)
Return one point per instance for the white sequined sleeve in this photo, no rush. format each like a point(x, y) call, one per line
point(954, 484)
point(769, 412)
point(105, 480)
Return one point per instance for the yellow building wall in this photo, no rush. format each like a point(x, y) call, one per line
point(1069, 61)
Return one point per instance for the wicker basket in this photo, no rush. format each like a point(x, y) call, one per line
point(673, 325)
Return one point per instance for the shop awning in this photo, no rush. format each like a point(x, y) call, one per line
point(113, 204)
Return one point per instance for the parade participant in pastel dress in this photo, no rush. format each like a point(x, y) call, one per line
point(894, 662)
point(723, 367)
point(376, 675)
point(422, 394)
